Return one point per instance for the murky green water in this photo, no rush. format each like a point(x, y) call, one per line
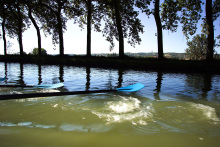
point(172, 110)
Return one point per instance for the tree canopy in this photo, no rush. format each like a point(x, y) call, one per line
point(36, 51)
point(197, 48)
point(119, 19)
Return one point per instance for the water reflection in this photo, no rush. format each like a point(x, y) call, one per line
point(207, 78)
point(6, 70)
point(88, 71)
point(21, 77)
point(159, 85)
point(166, 107)
point(120, 78)
point(61, 73)
point(39, 75)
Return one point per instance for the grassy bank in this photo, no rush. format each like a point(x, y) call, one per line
point(115, 62)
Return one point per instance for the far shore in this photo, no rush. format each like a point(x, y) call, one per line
point(134, 63)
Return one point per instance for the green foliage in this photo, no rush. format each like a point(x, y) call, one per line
point(197, 48)
point(144, 6)
point(187, 12)
point(82, 9)
point(35, 51)
point(130, 23)
point(13, 12)
point(216, 9)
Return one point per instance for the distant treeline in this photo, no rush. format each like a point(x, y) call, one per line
point(179, 56)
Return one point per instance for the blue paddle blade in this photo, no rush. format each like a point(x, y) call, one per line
point(132, 88)
point(49, 86)
point(2, 79)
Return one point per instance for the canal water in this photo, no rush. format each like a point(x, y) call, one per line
point(174, 109)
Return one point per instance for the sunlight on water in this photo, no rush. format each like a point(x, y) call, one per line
point(124, 106)
point(124, 109)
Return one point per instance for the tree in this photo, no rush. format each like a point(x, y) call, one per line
point(121, 22)
point(3, 16)
point(17, 21)
point(197, 48)
point(55, 22)
point(212, 13)
point(188, 12)
point(118, 19)
point(36, 51)
point(210, 30)
point(33, 6)
point(55, 18)
point(143, 5)
point(216, 13)
point(159, 29)
point(91, 14)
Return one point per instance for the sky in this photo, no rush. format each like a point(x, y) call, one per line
point(75, 39)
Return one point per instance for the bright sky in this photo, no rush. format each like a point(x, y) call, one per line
point(75, 40)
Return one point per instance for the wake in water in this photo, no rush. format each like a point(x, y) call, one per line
point(125, 109)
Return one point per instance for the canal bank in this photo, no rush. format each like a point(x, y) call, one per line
point(169, 65)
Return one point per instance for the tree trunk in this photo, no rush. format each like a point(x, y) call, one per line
point(89, 4)
point(3, 36)
point(159, 30)
point(38, 31)
point(210, 31)
point(20, 29)
point(116, 4)
point(3, 27)
point(60, 33)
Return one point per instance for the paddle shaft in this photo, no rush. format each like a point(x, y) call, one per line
point(33, 95)
point(16, 86)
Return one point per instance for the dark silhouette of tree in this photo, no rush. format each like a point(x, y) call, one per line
point(33, 6)
point(116, 7)
point(91, 14)
point(16, 20)
point(159, 29)
point(3, 12)
point(20, 19)
point(121, 22)
point(55, 22)
point(55, 18)
point(210, 30)
point(144, 6)
point(188, 13)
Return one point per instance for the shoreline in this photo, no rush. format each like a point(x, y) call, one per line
point(166, 65)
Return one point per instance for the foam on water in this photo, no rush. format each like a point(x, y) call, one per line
point(125, 109)
point(124, 106)
point(204, 112)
